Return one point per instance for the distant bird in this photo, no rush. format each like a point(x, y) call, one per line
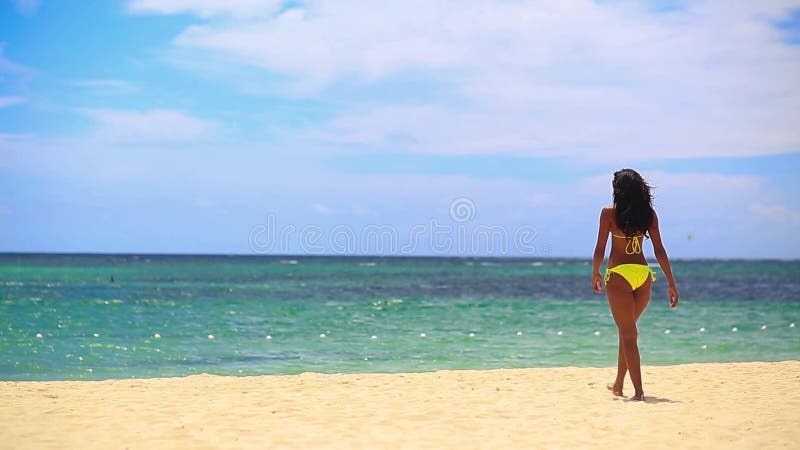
point(689, 237)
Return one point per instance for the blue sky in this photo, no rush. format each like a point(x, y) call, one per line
point(187, 126)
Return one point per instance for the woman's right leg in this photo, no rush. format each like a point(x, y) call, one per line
point(641, 297)
point(623, 309)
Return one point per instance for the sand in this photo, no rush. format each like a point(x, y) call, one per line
point(742, 405)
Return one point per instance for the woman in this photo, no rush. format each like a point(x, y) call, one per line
point(628, 277)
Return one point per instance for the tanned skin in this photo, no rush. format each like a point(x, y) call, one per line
point(626, 305)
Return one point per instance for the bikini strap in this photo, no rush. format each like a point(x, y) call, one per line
point(633, 247)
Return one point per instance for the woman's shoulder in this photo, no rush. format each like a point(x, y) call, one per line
point(655, 218)
point(607, 216)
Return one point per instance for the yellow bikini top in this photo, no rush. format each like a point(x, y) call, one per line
point(633, 247)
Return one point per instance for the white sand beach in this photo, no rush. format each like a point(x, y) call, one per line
point(742, 405)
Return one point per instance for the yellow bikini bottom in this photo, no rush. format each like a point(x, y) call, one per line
point(635, 274)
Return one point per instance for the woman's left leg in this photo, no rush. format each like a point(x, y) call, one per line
point(641, 297)
point(621, 301)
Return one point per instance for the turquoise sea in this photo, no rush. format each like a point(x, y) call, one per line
point(65, 317)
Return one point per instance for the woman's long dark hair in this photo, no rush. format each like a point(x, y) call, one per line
point(633, 202)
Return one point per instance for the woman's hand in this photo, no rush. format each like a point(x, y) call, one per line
point(673, 295)
point(597, 283)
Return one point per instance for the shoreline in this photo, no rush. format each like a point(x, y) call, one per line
point(311, 372)
point(696, 405)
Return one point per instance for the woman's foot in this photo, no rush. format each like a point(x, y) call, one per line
point(638, 397)
point(617, 391)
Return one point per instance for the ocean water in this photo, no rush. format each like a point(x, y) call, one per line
point(65, 317)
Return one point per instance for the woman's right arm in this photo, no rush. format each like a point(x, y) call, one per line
point(663, 261)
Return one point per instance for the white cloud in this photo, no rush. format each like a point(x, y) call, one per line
point(7, 139)
point(342, 211)
point(437, 129)
point(206, 8)
point(105, 86)
point(26, 7)
point(713, 208)
point(322, 210)
point(529, 77)
point(704, 214)
point(710, 207)
point(155, 125)
point(202, 202)
point(8, 101)
point(714, 194)
point(776, 213)
point(9, 66)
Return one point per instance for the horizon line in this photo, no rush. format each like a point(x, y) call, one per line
point(398, 256)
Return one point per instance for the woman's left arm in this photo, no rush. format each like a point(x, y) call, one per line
point(600, 249)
